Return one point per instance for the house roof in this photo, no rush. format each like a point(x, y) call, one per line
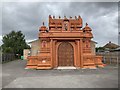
point(111, 45)
point(117, 49)
point(33, 41)
point(94, 41)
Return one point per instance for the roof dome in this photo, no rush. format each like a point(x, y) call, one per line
point(43, 28)
point(87, 28)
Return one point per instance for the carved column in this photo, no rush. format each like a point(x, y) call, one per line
point(51, 52)
point(54, 53)
point(81, 53)
point(78, 51)
point(75, 54)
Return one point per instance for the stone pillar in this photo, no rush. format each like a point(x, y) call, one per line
point(81, 53)
point(51, 51)
point(53, 54)
point(75, 53)
point(78, 51)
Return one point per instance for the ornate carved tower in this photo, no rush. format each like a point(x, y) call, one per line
point(65, 43)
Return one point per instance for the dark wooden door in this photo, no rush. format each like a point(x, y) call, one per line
point(65, 54)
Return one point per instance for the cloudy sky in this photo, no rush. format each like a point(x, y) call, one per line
point(102, 17)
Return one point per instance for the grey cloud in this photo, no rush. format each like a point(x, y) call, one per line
point(27, 17)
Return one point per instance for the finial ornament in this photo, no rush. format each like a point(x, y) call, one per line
point(50, 16)
point(59, 17)
point(79, 16)
point(43, 23)
point(75, 17)
point(86, 24)
point(70, 17)
point(65, 17)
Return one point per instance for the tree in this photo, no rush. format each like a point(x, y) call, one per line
point(100, 48)
point(14, 42)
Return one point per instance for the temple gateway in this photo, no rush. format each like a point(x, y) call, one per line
point(65, 43)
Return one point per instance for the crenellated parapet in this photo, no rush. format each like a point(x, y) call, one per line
point(65, 23)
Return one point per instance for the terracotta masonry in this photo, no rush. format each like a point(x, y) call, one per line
point(64, 44)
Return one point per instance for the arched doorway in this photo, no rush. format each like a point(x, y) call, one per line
point(65, 54)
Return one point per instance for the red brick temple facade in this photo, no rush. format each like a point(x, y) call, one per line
point(65, 43)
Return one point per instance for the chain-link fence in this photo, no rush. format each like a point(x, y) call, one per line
point(110, 57)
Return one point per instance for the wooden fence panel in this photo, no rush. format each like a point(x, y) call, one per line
point(7, 57)
point(110, 57)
